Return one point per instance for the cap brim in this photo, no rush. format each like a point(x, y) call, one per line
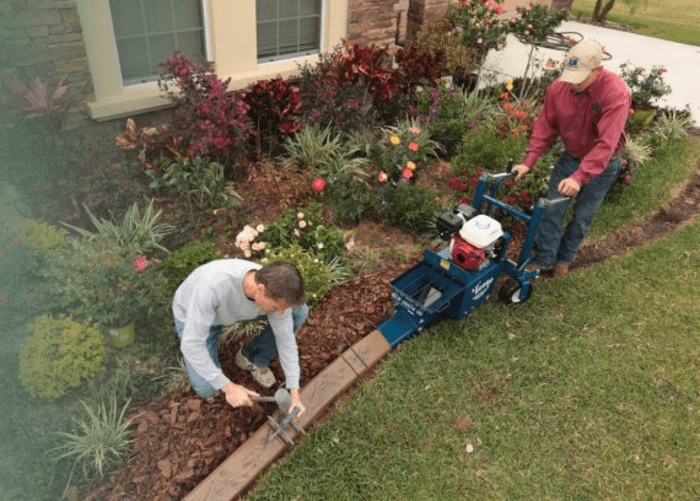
point(574, 77)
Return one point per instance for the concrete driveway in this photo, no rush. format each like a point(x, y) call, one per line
point(682, 61)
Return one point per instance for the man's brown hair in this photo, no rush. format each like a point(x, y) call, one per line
point(282, 281)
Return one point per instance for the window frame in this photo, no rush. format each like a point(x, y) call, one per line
point(292, 55)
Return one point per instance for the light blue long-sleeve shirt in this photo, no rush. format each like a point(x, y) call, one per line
point(213, 295)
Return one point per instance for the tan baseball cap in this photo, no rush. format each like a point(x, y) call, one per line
point(581, 60)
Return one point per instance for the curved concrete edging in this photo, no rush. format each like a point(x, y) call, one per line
point(238, 472)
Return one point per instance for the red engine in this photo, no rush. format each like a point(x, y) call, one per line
point(466, 255)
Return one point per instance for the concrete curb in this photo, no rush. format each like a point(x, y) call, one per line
point(238, 472)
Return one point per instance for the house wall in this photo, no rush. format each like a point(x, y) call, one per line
point(374, 22)
point(43, 39)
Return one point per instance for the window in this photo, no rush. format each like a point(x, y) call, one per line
point(287, 28)
point(147, 32)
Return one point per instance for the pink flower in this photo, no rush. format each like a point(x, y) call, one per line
point(407, 173)
point(140, 263)
point(628, 179)
point(382, 177)
point(318, 185)
point(415, 130)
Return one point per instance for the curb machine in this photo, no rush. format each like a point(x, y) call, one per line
point(462, 275)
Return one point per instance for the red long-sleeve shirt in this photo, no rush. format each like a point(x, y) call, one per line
point(591, 124)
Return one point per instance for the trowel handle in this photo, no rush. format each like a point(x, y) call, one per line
point(263, 399)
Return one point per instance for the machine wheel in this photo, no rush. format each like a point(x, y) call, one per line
point(511, 292)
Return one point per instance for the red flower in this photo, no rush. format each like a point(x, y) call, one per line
point(318, 185)
point(474, 181)
point(413, 146)
point(454, 182)
point(525, 196)
point(140, 263)
point(407, 173)
point(511, 200)
point(464, 200)
point(510, 183)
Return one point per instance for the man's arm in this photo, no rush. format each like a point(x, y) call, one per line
point(544, 132)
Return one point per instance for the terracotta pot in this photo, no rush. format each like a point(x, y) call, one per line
point(121, 337)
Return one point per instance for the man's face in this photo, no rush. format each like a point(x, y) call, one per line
point(268, 304)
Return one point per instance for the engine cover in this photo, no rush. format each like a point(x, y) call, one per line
point(481, 231)
point(466, 255)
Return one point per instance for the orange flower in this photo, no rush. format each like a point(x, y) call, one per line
point(410, 165)
point(395, 140)
point(516, 132)
point(318, 185)
point(415, 130)
point(413, 146)
point(407, 173)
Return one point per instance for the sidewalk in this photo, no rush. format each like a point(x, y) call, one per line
point(681, 61)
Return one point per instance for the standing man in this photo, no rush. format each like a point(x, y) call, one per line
point(227, 291)
point(587, 107)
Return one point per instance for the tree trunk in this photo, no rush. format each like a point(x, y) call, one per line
point(600, 12)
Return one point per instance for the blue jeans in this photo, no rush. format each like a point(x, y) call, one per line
point(552, 243)
point(259, 351)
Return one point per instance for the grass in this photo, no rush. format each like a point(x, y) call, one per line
point(588, 391)
point(675, 20)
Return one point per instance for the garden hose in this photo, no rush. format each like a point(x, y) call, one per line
point(562, 41)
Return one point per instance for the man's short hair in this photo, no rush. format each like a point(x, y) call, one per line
point(282, 281)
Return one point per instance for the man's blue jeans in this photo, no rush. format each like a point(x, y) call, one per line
point(552, 243)
point(260, 351)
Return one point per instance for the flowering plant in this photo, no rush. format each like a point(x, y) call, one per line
point(401, 151)
point(482, 29)
point(96, 283)
point(646, 86)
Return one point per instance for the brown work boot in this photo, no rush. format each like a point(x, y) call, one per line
point(262, 375)
point(560, 269)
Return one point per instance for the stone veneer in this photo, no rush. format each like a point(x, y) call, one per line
point(43, 39)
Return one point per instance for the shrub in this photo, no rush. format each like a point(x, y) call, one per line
point(439, 35)
point(183, 261)
point(411, 209)
point(211, 121)
point(273, 111)
point(200, 182)
point(58, 355)
point(315, 273)
point(646, 87)
point(41, 238)
point(301, 227)
point(480, 25)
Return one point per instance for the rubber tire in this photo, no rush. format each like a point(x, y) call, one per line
point(509, 289)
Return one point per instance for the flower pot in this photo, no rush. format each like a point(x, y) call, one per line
point(121, 337)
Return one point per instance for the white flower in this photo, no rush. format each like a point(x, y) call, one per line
point(319, 245)
point(300, 215)
point(302, 224)
point(256, 246)
point(260, 228)
point(316, 260)
point(264, 260)
point(296, 233)
point(247, 253)
point(262, 245)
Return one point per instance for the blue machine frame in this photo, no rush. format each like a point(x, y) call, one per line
point(437, 286)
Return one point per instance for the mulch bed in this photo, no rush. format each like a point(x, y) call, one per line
point(180, 439)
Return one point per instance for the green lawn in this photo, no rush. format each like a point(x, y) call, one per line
point(588, 391)
point(675, 20)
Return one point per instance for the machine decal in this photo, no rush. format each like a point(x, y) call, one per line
point(481, 289)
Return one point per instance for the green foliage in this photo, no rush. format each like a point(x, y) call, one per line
point(202, 184)
point(41, 238)
point(537, 22)
point(136, 233)
point(183, 261)
point(647, 87)
point(412, 209)
point(306, 229)
point(350, 198)
point(97, 283)
point(481, 27)
point(482, 150)
point(101, 442)
point(438, 35)
point(313, 147)
point(57, 355)
point(315, 273)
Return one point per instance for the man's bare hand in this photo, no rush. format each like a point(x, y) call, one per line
point(568, 187)
point(296, 403)
point(238, 396)
point(521, 169)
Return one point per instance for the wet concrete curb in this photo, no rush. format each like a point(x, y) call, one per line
point(238, 472)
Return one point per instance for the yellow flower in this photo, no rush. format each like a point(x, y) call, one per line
point(395, 140)
point(509, 84)
point(411, 165)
